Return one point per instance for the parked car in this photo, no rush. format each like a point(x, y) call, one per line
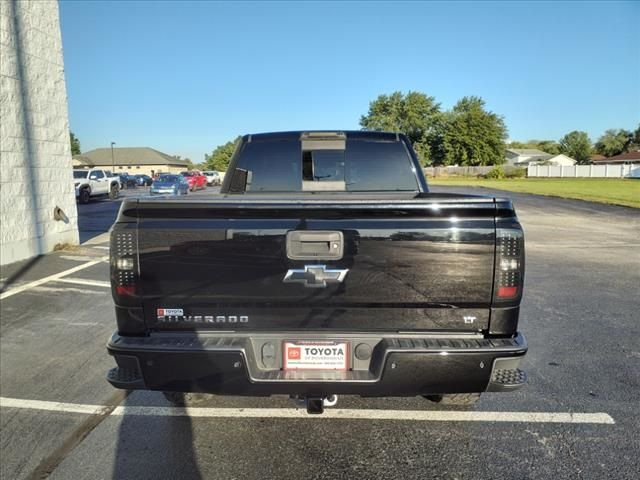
point(195, 179)
point(169, 184)
point(128, 181)
point(331, 269)
point(143, 180)
point(213, 177)
point(95, 182)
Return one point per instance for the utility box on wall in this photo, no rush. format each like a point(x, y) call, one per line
point(37, 196)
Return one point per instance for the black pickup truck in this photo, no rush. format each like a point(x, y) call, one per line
point(323, 267)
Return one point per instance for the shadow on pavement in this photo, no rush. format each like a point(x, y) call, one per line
point(18, 274)
point(167, 440)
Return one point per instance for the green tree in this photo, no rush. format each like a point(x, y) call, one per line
point(221, 155)
point(414, 114)
point(614, 142)
point(75, 144)
point(576, 145)
point(548, 146)
point(469, 135)
point(635, 143)
point(188, 161)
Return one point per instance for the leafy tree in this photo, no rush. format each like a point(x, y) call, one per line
point(635, 143)
point(414, 114)
point(469, 135)
point(221, 155)
point(516, 144)
point(576, 145)
point(614, 142)
point(549, 146)
point(190, 165)
point(75, 144)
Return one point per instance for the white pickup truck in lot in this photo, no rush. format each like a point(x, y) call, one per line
point(95, 182)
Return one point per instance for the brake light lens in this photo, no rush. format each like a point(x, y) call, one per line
point(509, 274)
point(507, 292)
point(127, 290)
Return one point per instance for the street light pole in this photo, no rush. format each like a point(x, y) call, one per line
point(113, 163)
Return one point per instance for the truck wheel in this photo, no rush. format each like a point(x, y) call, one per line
point(113, 193)
point(85, 196)
point(175, 398)
point(460, 399)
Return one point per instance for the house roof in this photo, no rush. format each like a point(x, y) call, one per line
point(528, 152)
point(129, 156)
point(596, 157)
point(623, 157)
point(83, 160)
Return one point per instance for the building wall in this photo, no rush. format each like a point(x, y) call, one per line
point(35, 164)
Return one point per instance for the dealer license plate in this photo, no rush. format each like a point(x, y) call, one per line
point(316, 355)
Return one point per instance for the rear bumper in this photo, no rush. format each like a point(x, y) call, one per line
point(399, 366)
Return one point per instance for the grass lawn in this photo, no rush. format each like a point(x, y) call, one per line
point(616, 191)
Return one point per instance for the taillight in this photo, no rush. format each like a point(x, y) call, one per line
point(124, 262)
point(509, 268)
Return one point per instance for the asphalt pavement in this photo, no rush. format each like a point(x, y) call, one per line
point(60, 418)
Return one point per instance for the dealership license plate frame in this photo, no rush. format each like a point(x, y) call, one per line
point(292, 364)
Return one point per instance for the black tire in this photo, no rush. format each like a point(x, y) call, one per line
point(457, 399)
point(113, 193)
point(85, 196)
point(175, 398)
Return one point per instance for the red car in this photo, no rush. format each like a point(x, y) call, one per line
point(195, 179)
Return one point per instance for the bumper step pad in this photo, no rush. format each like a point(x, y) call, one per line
point(507, 379)
point(126, 378)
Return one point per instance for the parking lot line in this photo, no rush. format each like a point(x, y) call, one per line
point(331, 413)
point(55, 276)
point(83, 281)
point(52, 406)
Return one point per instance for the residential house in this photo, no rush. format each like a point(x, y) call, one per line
point(134, 160)
point(522, 157)
point(558, 160)
point(623, 158)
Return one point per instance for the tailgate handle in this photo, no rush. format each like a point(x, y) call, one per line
point(314, 245)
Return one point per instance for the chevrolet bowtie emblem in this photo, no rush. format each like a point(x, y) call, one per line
point(315, 276)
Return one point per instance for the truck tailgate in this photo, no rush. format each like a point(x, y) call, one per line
point(420, 264)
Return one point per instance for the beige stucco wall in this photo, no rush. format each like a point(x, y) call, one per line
point(35, 156)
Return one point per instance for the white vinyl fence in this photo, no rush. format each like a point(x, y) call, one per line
point(464, 171)
point(588, 171)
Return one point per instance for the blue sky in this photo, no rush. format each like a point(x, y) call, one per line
point(185, 77)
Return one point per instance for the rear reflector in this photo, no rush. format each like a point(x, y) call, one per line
point(507, 292)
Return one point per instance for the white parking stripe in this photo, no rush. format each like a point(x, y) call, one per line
point(330, 413)
point(84, 281)
point(55, 276)
point(51, 406)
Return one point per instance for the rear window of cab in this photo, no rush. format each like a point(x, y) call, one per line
point(355, 165)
